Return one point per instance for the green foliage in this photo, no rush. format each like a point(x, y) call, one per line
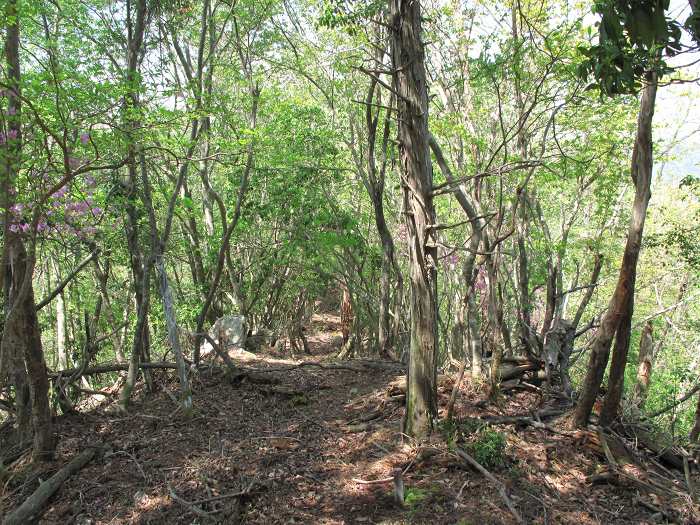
point(484, 443)
point(349, 15)
point(414, 496)
point(488, 448)
point(632, 36)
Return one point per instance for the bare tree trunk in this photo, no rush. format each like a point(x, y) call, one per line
point(595, 274)
point(695, 431)
point(617, 321)
point(140, 266)
point(102, 277)
point(412, 102)
point(134, 362)
point(60, 326)
point(173, 337)
point(492, 300)
point(21, 338)
point(474, 330)
point(645, 363)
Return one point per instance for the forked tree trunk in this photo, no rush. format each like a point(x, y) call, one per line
point(140, 265)
point(617, 321)
point(409, 81)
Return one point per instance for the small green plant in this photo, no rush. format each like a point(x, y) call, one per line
point(300, 400)
point(489, 448)
point(414, 496)
point(456, 431)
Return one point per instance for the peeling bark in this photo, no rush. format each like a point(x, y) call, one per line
point(409, 81)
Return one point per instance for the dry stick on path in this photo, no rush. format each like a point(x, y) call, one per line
point(193, 508)
point(34, 504)
point(499, 486)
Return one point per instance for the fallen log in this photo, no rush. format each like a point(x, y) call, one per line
point(670, 455)
point(110, 367)
point(398, 385)
point(34, 504)
point(513, 371)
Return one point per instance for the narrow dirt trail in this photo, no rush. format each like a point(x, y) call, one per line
point(293, 452)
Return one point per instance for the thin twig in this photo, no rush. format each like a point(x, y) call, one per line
point(499, 486)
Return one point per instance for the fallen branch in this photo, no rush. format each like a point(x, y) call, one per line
point(310, 363)
point(499, 486)
point(34, 504)
point(111, 367)
point(192, 507)
point(618, 467)
point(238, 494)
point(653, 508)
point(372, 481)
point(510, 372)
point(527, 421)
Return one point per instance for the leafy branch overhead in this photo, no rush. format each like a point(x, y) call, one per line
point(634, 37)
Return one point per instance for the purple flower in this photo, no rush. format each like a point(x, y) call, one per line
point(12, 134)
point(2, 138)
point(16, 209)
point(97, 211)
point(41, 226)
point(24, 227)
point(84, 138)
point(14, 228)
point(60, 193)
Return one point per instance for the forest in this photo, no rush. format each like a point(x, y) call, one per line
point(350, 261)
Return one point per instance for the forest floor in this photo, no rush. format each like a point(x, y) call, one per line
point(297, 452)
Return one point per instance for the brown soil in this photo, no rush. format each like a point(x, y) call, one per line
point(295, 450)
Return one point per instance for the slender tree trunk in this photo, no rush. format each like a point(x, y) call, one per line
point(135, 361)
point(695, 431)
point(140, 266)
point(551, 299)
point(617, 321)
point(645, 363)
point(595, 274)
point(474, 331)
point(386, 285)
point(60, 326)
point(412, 102)
point(642, 164)
point(173, 337)
point(495, 320)
point(21, 338)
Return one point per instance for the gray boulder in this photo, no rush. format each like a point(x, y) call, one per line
point(229, 331)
